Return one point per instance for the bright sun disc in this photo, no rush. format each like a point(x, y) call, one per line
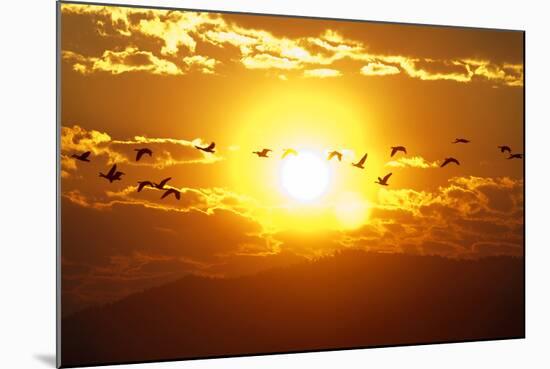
point(305, 177)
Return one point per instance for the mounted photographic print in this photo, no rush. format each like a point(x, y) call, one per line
point(242, 184)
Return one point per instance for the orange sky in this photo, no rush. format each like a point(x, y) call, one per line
point(167, 80)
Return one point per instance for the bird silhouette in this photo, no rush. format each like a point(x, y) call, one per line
point(395, 149)
point(515, 156)
point(112, 175)
point(448, 161)
point(82, 157)
point(262, 154)
point(505, 149)
point(461, 140)
point(360, 163)
point(289, 152)
point(333, 154)
point(209, 148)
point(118, 176)
point(161, 184)
point(384, 181)
point(171, 191)
point(141, 152)
point(142, 184)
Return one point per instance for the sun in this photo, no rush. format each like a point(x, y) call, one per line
point(305, 177)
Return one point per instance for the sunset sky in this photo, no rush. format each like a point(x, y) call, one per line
point(169, 80)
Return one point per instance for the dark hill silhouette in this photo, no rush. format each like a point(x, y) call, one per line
point(353, 299)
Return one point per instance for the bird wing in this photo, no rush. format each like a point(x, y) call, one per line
point(385, 179)
point(288, 152)
point(163, 182)
point(454, 161)
point(85, 155)
point(445, 162)
point(143, 184)
point(331, 155)
point(362, 161)
point(170, 191)
point(112, 171)
point(141, 152)
point(211, 146)
point(393, 151)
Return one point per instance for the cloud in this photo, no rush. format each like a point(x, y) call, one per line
point(322, 73)
point(143, 242)
point(450, 221)
point(166, 151)
point(181, 31)
point(205, 64)
point(117, 62)
point(379, 69)
point(268, 61)
point(412, 162)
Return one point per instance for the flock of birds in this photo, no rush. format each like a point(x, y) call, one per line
point(114, 175)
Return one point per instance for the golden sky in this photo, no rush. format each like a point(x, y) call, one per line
point(169, 80)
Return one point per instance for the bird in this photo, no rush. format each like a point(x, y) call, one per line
point(288, 152)
point(112, 175)
point(142, 184)
point(117, 176)
point(515, 156)
point(384, 181)
point(361, 162)
point(448, 161)
point(141, 152)
point(505, 148)
point(461, 140)
point(171, 191)
point(82, 157)
point(263, 153)
point(395, 149)
point(333, 154)
point(209, 148)
point(161, 184)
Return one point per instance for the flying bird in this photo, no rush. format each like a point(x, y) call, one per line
point(161, 184)
point(395, 149)
point(171, 191)
point(333, 154)
point(289, 152)
point(360, 163)
point(461, 140)
point(117, 176)
point(112, 175)
point(82, 157)
point(142, 184)
point(209, 148)
point(515, 156)
point(141, 152)
point(384, 181)
point(505, 149)
point(448, 161)
point(262, 154)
